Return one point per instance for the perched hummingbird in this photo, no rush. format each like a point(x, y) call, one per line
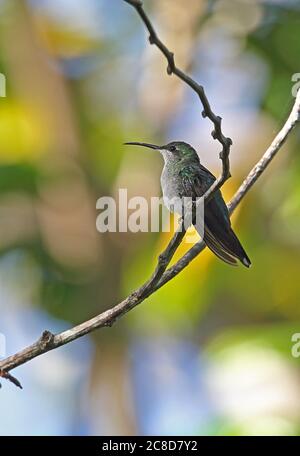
point(184, 176)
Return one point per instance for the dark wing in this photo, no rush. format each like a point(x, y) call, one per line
point(218, 234)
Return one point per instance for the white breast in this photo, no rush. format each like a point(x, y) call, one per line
point(169, 185)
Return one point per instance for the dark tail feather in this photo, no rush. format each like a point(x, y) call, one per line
point(228, 249)
point(218, 250)
point(240, 252)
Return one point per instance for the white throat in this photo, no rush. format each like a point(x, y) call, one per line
point(167, 155)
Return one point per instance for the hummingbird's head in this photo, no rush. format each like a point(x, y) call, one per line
point(173, 151)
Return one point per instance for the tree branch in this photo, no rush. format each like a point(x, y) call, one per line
point(161, 275)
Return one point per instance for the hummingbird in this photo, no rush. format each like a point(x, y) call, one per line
point(184, 176)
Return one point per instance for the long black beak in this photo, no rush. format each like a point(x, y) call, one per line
point(151, 146)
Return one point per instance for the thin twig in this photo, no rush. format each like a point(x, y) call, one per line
point(11, 378)
point(49, 341)
point(268, 156)
point(217, 133)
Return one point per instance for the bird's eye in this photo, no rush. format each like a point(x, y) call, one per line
point(172, 148)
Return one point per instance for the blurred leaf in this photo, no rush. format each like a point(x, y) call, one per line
point(22, 135)
point(18, 177)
